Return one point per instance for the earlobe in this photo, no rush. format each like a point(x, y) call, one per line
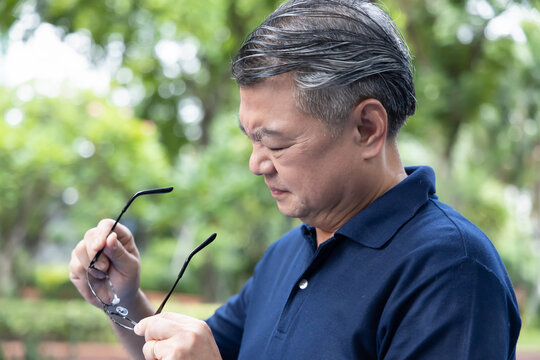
point(371, 122)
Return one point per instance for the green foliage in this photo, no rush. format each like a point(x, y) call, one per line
point(477, 124)
point(68, 320)
point(72, 320)
point(66, 163)
point(131, 33)
point(52, 281)
point(157, 271)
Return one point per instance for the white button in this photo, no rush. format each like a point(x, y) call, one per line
point(303, 284)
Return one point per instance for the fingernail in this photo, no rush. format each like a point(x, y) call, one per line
point(100, 265)
point(136, 330)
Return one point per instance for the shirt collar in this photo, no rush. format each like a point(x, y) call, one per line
point(375, 225)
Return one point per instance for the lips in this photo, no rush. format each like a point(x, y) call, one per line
point(275, 191)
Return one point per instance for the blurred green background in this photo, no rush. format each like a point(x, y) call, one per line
point(100, 99)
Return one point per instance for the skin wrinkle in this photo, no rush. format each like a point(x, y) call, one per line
point(302, 187)
point(335, 60)
point(326, 149)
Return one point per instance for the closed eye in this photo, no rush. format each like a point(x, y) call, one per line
point(277, 148)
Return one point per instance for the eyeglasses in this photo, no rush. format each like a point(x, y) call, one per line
point(101, 286)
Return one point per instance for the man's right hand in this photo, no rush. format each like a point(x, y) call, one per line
point(120, 260)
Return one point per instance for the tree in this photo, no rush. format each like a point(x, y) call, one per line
point(477, 117)
point(477, 88)
point(67, 161)
point(172, 56)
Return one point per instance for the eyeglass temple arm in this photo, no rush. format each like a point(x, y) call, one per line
point(197, 249)
point(143, 192)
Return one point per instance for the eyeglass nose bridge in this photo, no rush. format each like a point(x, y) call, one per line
point(118, 314)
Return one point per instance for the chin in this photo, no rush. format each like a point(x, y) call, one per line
point(290, 211)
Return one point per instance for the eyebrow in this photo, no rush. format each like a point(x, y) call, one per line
point(259, 133)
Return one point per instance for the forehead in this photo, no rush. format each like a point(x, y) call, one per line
point(268, 104)
point(272, 93)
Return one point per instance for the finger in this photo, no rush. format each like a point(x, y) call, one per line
point(155, 328)
point(124, 234)
point(149, 350)
point(80, 254)
point(103, 230)
point(122, 260)
point(140, 328)
point(143, 328)
point(79, 261)
point(77, 273)
point(179, 337)
point(105, 226)
point(93, 242)
point(166, 325)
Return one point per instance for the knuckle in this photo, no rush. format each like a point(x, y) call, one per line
point(202, 329)
point(196, 334)
point(74, 254)
point(147, 350)
point(105, 223)
point(180, 348)
point(191, 338)
point(79, 247)
point(90, 233)
point(75, 267)
point(204, 326)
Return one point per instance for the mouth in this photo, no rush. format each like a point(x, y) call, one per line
point(276, 192)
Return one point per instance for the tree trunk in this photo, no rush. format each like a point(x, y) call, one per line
point(14, 240)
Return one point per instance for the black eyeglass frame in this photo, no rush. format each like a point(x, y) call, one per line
point(114, 309)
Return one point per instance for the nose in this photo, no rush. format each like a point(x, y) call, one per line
point(260, 163)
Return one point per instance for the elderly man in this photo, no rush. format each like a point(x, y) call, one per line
point(380, 268)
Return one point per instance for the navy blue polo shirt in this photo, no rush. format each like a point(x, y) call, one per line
point(406, 278)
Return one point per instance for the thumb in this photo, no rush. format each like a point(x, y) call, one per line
point(140, 328)
point(120, 258)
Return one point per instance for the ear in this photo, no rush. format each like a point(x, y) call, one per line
point(370, 126)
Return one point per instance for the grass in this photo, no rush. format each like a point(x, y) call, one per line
point(529, 339)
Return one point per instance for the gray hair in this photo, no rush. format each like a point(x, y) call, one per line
point(339, 52)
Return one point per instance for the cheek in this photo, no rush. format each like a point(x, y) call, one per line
point(316, 180)
point(313, 167)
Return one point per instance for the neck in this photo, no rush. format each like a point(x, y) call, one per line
point(387, 172)
point(322, 236)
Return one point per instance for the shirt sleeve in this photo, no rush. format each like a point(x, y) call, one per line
point(227, 323)
point(460, 312)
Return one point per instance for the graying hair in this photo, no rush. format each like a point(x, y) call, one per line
point(339, 52)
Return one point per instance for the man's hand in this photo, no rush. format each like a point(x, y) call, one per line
point(120, 260)
point(174, 336)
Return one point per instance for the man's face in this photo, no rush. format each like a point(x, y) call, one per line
point(306, 169)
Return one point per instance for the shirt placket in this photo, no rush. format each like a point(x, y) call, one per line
point(300, 292)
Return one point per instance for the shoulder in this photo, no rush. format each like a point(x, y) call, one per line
point(456, 230)
point(440, 237)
